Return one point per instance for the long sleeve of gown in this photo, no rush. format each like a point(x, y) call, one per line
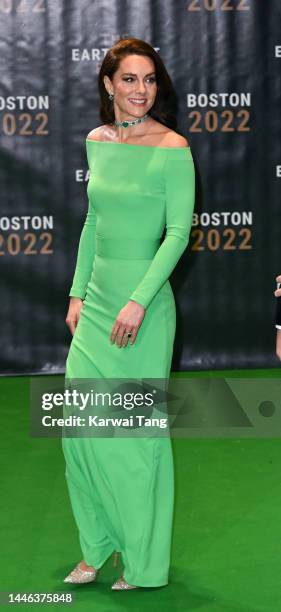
point(179, 175)
point(85, 255)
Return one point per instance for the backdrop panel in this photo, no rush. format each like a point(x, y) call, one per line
point(224, 58)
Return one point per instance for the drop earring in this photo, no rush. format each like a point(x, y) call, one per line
point(111, 96)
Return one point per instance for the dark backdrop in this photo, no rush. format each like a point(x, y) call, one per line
point(224, 57)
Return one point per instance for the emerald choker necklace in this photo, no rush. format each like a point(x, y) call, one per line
point(128, 123)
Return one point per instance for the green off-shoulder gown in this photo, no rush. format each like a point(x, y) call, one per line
point(122, 489)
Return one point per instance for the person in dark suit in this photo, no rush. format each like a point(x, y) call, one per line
point(277, 293)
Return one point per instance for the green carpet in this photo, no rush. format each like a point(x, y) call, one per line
point(227, 528)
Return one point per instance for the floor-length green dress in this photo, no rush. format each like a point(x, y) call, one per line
point(122, 489)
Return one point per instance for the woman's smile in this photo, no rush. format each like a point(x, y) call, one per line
point(138, 101)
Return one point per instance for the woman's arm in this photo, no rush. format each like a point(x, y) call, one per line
point(278, 308)
point(179, 177)
point(85, 256)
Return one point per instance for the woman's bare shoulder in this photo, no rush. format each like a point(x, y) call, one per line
point(166, 137)
point(95, 134)
point(161, 136)
point(173, 139)
point(99, 133)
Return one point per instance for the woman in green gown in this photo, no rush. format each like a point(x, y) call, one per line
point(122, 311)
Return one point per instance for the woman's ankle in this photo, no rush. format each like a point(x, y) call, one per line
point(86, 568)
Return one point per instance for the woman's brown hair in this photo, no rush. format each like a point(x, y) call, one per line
point(165, 105)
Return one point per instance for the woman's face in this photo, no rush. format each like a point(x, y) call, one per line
point(134, 85)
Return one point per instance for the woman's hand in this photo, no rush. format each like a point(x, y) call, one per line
point(277, 293)
point(129, 319)
point(73, 314)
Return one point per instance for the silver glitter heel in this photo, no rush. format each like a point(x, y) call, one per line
point(79, 576)
point(121, 585)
